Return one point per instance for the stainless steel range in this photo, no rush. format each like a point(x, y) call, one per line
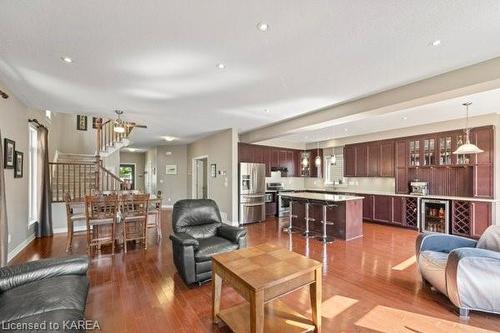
point(252, 192)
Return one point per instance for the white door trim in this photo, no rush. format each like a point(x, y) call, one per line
point(193, 175)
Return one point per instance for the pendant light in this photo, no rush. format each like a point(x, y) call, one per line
point(119, 127)
point(467, 147)
point(305, 160)
point(317, 160)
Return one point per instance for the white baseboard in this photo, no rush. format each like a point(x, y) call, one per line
point(15, 251)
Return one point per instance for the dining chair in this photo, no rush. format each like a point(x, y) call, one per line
point(134, 215)
point(74, 213)
point(101, 215)
point(154, 216)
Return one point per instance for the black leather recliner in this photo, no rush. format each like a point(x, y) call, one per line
point(48, 290)
point(198, 235)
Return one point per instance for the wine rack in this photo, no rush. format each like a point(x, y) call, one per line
point(411, 210)
point(461, 218)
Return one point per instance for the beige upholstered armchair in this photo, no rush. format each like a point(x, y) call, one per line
point(465, 270)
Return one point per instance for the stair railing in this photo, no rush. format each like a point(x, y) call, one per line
point(77, 179)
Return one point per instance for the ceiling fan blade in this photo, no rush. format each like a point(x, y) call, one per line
point(135, 125)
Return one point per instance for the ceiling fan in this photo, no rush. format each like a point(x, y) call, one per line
point(120, 124)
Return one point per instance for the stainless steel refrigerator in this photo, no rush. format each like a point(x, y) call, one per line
point(252, 192)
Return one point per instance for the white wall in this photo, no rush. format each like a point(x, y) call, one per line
point(221, 149)
point(138, 159)
point(14, 125)
point(173, 187)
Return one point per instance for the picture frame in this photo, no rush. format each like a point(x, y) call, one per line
point(9, 149)
point(94, 122)
point(19, 164)
point(81, 122)
point(171, 169)
point(213, 170)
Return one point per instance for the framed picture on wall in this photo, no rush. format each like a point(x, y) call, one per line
point(213, 170)
point(171, 169)
point(9, 149)
point(94, 122)
point(19, 164)
point(81, 122)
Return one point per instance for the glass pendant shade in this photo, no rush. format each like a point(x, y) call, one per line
point(467, 147)
point(305, 162)
point(317, 161)
point(119, 128)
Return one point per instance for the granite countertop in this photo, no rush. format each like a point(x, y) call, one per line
point(320, 196)
point(442, 197)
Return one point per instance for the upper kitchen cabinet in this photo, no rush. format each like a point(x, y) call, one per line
point(361, 160)
point(386, 162)
point(373, 159)
point(350, 161)
point(272, 157)
point(483, 137)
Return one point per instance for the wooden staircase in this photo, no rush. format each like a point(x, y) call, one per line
point(80, 174)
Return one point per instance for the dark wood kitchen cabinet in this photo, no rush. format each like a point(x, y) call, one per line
point(382, 208)
point(361, 160)
point(367, 207)
point(398, 210)
point(470, 219)
point(401, 170)
point(373, 155)
point(386, 168)
point(272, 157)
point(350, 161)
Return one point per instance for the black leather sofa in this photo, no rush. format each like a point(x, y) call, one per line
point(44, 291)
point(198, 234)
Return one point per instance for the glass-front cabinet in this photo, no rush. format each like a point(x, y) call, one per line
point(445, 151)
point(461, 159)
point(414, 150)
point(429, 151)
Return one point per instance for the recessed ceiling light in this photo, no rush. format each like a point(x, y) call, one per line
point(436, 42)
point(262, 26)
point(169, 138)
point(345, 129)
point(221, 66)
point(67, 60)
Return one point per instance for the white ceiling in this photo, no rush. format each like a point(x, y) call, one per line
point(157, 60)
point(482, 104)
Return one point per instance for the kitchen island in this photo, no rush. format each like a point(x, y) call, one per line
point(345, 212)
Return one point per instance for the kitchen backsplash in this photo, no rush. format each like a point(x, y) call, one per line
point(376, 184)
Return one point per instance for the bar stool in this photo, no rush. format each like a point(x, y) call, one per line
point(307, 232)
point(290, 219)
point(324, 237)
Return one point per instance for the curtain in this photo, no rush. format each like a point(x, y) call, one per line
point(4, 229)
point(44, 205)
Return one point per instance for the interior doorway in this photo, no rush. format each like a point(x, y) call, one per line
point(127, 175)
point(200, 177)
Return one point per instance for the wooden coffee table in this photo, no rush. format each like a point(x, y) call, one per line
point(262, 274)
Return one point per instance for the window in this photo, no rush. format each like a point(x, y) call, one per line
point(33, 188)
point(127, 175)
point(334, 169)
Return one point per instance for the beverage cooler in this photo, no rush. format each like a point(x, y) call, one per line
point(435, 216)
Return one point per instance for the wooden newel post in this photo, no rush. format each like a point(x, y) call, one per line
point(98, 161)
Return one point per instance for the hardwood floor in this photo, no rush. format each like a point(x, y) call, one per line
point(141, 292)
